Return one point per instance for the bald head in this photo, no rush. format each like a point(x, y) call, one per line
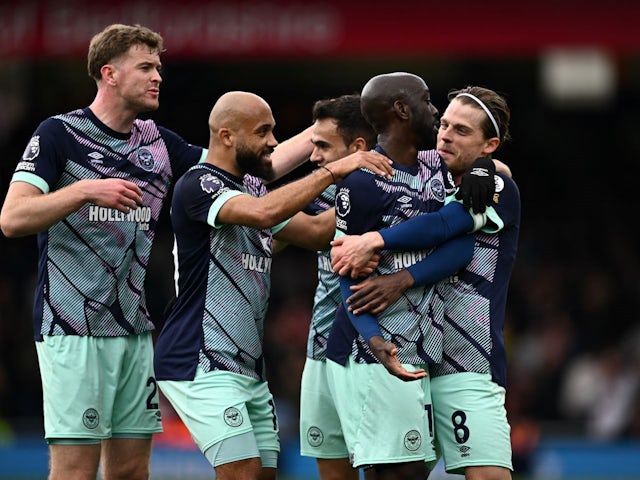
point(236, 110)
point(381, 91)
point(241, 126)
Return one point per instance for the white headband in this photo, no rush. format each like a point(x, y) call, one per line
point(484, 107)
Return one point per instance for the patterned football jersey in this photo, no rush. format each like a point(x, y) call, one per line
point(327, 295)
point(475, 299)
point(92, 264)
point(223, 281)
point(366, 202)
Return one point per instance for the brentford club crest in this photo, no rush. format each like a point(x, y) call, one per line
point(145, 159)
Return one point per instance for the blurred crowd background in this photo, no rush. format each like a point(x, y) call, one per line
point(571, 74)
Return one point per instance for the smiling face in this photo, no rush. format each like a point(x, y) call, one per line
point(255, 142)
point(460, 137)
point(328, 144)
point(255, 162)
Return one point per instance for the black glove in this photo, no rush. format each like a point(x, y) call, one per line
point(478, 185)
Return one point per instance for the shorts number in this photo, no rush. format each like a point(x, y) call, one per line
point(429, 411)
point(151, 405)
point(460, 430)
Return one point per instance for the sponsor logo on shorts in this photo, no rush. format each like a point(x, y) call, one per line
point(315, 437)
point(464, 451)
point(412, 440)
point(233, 417)
point(91, 418)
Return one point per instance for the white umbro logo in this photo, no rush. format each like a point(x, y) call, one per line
point(404, 200)
point(95, 157)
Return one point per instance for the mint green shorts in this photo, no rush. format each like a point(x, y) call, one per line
point(470, 421)
point(320, 430)
point(218, 405)
point(383, 419)
point(96, 388)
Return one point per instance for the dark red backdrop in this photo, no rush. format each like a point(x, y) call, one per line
point(299, 29)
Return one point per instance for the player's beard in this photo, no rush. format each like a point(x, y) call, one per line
point(427, 134)
point(252, 163)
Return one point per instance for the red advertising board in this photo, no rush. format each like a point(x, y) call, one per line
point(316, 28)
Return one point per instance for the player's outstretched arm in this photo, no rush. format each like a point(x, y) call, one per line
point(350, 253)
point(284, 202)
point(313, 232)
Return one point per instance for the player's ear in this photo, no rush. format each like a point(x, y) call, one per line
point(226, 136)
point(108, 74)
point(402, 109)
point(358, 144)
point(490, 146)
